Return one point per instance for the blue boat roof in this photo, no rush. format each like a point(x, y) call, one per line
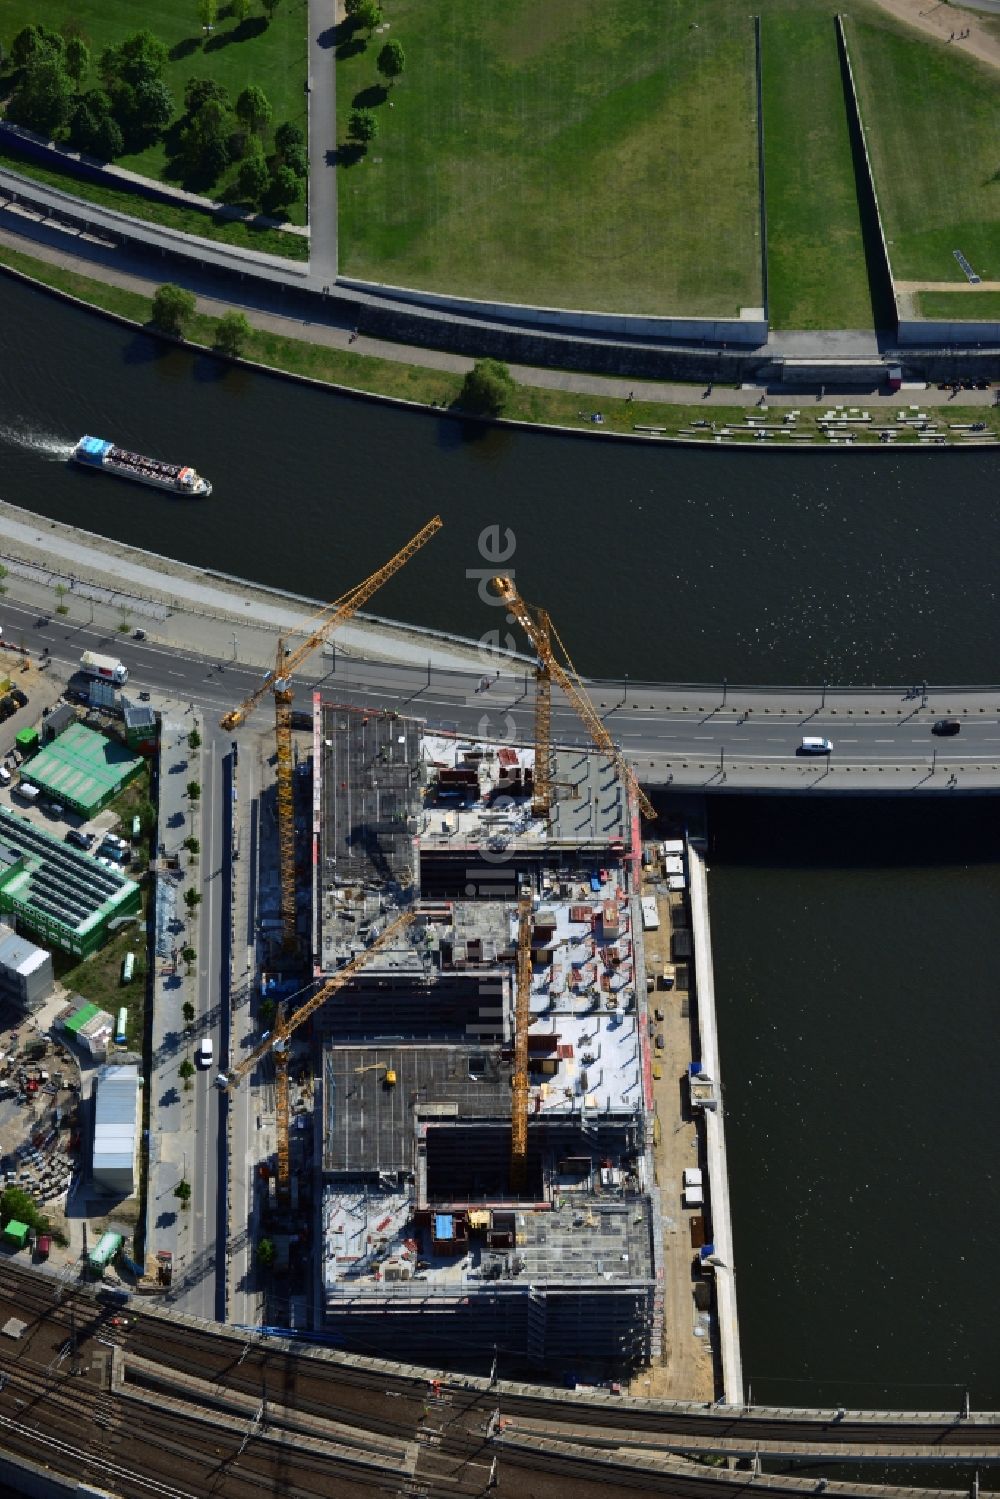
point(97, 446)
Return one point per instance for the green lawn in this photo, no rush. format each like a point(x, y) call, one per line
point(980, 306)
point(817, 276)
point(272, 56)
point(582, 153)
point(98, 978)
point(930, 118)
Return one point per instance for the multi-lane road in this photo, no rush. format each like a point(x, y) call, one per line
point(721, 738)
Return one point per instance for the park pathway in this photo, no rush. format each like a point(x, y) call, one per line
point(322, 143)
point(946, 21)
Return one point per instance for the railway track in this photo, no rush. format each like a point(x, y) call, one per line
point(215, 1412)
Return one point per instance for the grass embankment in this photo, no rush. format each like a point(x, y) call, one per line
point(584, 153)
point(171, 216)
point(271, 55)
point(817, 277)
point(99, 978)
point(370, 375)
point(980, 306)
point(930, 118)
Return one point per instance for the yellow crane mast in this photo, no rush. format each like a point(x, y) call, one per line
point(541, 802)
point(285, 1026)
point(522, 1020)
point(540, 636)
point(279, 682)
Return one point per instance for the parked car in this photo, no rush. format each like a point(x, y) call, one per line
point(947, 726)
point(79, 838)
point(205, 1052)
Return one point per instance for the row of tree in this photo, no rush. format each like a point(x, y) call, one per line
point(367, 15)
point(133, 107)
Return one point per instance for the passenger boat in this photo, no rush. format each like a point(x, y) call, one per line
point(97, 452)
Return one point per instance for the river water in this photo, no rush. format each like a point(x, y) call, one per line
point(856, 980)
point(667, 563)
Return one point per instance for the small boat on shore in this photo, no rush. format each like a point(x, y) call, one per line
point(98, 453)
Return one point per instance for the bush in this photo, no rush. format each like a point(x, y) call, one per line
point(487, 387)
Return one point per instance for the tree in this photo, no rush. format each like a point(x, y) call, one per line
point(77, 59)
point(192, 898)
point(266, 1011)
point(269, 7)
point(208, 11)
point(173, 308)
point(295, 160)
point(136, 60)
point(253, 108)
point(3, 574)
point(188, 956)
point(43, 97)
point(201, 91)
point(32, 43)
point(192, 845)
point(60, 592)
point(205, 137)
point(194, 790)
point(194, 740)
point(240, 9)
point(362, 125)
point(266, 1253)
point(186, 1072)
point(487, 387)
point(364, 13)
point(284, 188)
point(391, 61)
point(183, 1191)
point(231, 333)
point(108, 141)
point(253, 176)
point(153, 107)
point(288, 136)
point(187, 1008)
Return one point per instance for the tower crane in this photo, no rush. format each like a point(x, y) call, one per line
point(277, 1040)
point(278, 682)
point(522, 1020)
point(539, 629)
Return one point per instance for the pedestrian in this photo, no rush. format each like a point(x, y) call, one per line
point(630, 396)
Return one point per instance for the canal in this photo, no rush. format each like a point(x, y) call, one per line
point(856, 980)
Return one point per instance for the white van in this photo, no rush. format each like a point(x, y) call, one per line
point(813, 746)
point(206, 1051)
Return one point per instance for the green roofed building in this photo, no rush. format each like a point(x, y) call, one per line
point(57, 892)
point(82, 769)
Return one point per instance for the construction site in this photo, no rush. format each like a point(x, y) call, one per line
point(463, 1105)
point(459, 1210)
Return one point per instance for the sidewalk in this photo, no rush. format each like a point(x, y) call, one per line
point(172, 1103)
point(340, 335)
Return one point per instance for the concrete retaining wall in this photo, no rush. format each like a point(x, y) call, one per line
point(927, 331)
point(750, 330)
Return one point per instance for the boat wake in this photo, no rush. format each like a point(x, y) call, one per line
point(34, 440)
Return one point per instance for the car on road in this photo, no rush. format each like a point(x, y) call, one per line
point(947, 726)
point(138, 634)
point(660, 1043)
point(205, 1052)
point(811, 745)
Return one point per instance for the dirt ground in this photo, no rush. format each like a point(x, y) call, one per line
point(686, 1370)
point(945, 21)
